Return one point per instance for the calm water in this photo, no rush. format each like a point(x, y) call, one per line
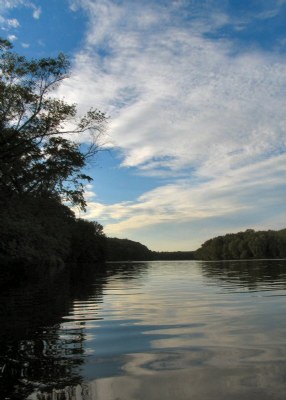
point(156, 330)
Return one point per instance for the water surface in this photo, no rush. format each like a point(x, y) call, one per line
point(156, 330)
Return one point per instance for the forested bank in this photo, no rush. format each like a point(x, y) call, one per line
point(249, 244)
point(244, 245)
point(128, 250)
point(39, 235)
point(42, 168)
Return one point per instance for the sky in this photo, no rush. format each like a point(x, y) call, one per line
point(195, 91)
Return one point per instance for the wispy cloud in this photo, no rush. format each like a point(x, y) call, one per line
point(12, 38)
point(254, 190)
point(6, 23)
point(176, 96)
point(37, 12)
point(14, 23)
point(8, 5)
point(181, 100)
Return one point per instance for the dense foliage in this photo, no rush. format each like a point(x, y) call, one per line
point(245, 245)
point(173, 255)
point(44, 234)
point(41, 165)
point(126, 250)
point(233, 246)
point(38, 155)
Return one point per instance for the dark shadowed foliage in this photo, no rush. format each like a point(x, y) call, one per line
point(126, 250)
point(41, 167)
point(245, 245)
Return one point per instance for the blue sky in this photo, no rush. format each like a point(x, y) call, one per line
point(196, 94)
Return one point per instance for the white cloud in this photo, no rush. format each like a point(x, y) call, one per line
point(7, 23)
point(12, 38)
point(274, 8)
point(14, 23)
point(25, 45)
point(250, 190)
point(37, 12)
point(6, 5)
point(177, 96)
point(180, 101)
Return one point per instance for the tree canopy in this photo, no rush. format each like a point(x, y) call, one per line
point(41, 168)
point(244, 245)
point(39, 155)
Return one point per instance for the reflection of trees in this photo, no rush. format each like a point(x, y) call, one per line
point(39, 350)
point(78, 392)
point(36, 349)
point(250, 274)
point(126, 270)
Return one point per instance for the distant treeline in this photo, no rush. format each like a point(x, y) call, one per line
point(128, 250)
point(244, 245)
point(173, 255)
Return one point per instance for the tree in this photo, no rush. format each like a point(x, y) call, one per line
point(38, 153)
point(87, 242)
point(244, 245)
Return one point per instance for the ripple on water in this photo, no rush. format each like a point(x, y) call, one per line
point(188, 330)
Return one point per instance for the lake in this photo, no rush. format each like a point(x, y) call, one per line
point(148, 330)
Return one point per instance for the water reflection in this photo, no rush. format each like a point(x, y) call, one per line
point(35, 351)
point(250, 274)
point(183, 331)
point(174, 376)
point(43, 330)
point(202, 382)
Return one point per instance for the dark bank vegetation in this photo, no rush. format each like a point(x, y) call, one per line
point(41, 166)
point(173, 255)
point(128, 250)
point(244, 245)
point(42, 232)
point(250, 244)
